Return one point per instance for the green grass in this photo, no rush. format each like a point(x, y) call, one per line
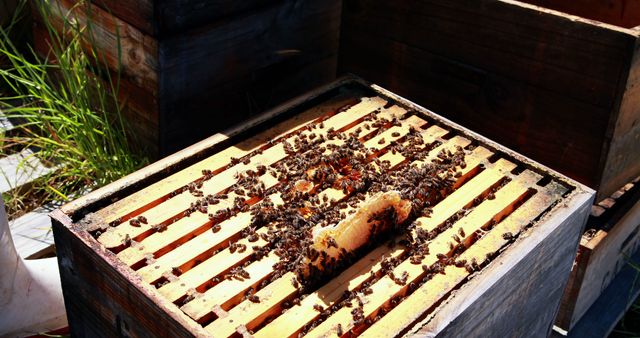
point(69, 105)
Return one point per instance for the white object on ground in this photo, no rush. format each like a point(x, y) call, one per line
point(31, 233)
point(30, 292)
point(19, 169)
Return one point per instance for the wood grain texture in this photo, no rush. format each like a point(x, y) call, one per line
point(510, 288)
point(121, 46)
point(190, 119)
point(605, 255)
point(175, 16)
point(623, 13)
point(100, 298)
point(610, 307)
point(139, 106)
point(138, 13)
point(192, 68)
point(507, 68)
point(622, 162)
point(115, 310)
point(161, 18)
point(154, 172)
point(215, 77)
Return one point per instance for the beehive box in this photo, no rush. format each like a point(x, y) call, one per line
point(192, 68)
point(612, 237)
point(561, 89)
point(176, 250)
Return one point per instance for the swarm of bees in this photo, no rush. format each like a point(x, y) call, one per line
point(358, 172)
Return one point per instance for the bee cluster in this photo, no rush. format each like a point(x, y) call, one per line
point(313, 166)
point(358, 172)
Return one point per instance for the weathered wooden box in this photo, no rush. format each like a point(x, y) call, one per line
point(192, 68)
point(146, 256)
point(612, 237)
point(561, 89)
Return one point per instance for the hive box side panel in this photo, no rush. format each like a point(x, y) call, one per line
point(118, 44)
point(100, 301)
point(543, 84)
point(608, 254)
point(572, 290)
point(160, 18)
point(617, 12)
point(623, 162)
point(139, 104)
point(220, 75)
point(518, 294)
point(139, 13)
point(174, 16)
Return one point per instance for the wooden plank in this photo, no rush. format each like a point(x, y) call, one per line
point(603, 315)
point(616, 12)
point(179, 15)
point(138, 13)
point(385, 288)
point(175, 16)
point(119, 189)
point(290, 323)
point(202, 272)
point(230, 291)
point(149, 194)
point(607, 254)
point(199, 245)
point(612, 233)
point(123, 47)
point(466, 194)
point(100, 298)
point(190, 118)
point(530, 312)
point(487, 73)
point(19, 169)
point(216, 185)
point(621, 166)
point(183, 255)
point(523, 127)
point(106, 299)
point(308, 30)
point(405, 314)
point(222, 261)
point(248, 313)
point(251, 73)
point(477, 31)
point(221, 159)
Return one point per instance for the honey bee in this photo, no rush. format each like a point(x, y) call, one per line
point(507, 236)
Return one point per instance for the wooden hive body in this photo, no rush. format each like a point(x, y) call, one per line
point(510, 225)
point(612, 237)
point(558, 88)
point(184, 63)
